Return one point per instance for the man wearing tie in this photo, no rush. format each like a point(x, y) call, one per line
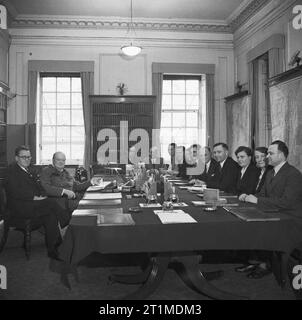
point(27, 200)
point(282, 188)
point(227, 176)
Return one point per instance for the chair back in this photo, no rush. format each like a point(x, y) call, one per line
point(3, 202)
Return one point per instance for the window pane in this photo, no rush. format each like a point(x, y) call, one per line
point(178, 119)
point(76, 100)
point(167, 86)
point(179, 135)
point(192, 86)
point(166, 119)
point(77, 117)
point(179, 86)
point(192, 119)
point(192, 135)
point(179, 102)
point(49, 84)
point(63, 84)
point(166, 135)
point(48, 149)
point(65, 148)
point(63, 98)
point(63, 135)
point(76, 85)
point(77, 151)
point(63, 117)
point(193, 102)
point(166, 102)
point(77, 133)
point(49, 133)
point(49, 117)
point(48, 99)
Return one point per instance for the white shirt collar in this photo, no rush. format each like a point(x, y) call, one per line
point(24, 169)
point(243, 171)
point(222, 163)
point(279, 166)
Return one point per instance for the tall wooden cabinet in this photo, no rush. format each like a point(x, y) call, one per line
point(107, 112)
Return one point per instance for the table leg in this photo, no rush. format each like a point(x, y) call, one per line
point(188, 268)
point(149, 279)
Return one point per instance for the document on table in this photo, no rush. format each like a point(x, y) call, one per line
point(100, 186)
point(179, 204)
point(93, 212)
point(115, 219)
point(150, 205)
point(102, 196)
point(175, 216)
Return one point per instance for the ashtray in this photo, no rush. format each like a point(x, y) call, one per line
point(210, 209)
point(135, 209)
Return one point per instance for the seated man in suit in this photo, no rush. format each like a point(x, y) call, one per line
point(27, 199)
point(227, 175)
point(282, 188)
point(210, 168)
point(58, 183)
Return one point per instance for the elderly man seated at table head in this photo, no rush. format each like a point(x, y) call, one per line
point(58, 182)
point(282, 188)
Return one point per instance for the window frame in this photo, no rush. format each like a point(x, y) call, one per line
point(43, 75)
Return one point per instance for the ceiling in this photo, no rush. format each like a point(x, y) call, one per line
point(219, 10)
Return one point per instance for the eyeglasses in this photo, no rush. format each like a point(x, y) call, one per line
point(25, 157)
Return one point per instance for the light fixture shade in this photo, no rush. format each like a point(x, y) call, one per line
point(131, 50)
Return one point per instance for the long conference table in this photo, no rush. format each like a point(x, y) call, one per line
point(178, 246)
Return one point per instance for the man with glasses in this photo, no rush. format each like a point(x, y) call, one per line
point(27, 200)
point(59, 183)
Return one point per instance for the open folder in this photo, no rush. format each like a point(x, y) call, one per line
point(251, 214)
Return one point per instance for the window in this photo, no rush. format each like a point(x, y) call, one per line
point(183, 117)
point(60, 118)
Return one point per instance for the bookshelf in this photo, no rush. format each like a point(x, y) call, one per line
point(108, 111)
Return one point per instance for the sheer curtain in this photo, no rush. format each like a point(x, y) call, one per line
point(87, 79)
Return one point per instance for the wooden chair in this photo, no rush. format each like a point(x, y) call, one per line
point(26, 226)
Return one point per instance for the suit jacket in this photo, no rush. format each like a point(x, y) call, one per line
point(261, 183)
point(21, 187)
point(248, 182)
point(283, 191)
point(226, 177)
point(210, 175)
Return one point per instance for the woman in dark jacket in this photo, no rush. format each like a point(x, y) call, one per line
point(249, 175)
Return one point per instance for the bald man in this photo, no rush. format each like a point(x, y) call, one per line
point(58, 183)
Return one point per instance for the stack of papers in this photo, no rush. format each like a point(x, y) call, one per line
point(102, 196)
point(101, 186)
point(175, 216)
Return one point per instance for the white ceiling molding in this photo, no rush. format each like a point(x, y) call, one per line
point(272, 12)
point(243, 13)
point(120, 23)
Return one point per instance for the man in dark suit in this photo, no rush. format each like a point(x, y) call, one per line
point(228, 170)
point(282, 188)
point(26, 199)
point(211, 168)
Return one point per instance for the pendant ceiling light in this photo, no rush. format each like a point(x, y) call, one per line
point(131, 49)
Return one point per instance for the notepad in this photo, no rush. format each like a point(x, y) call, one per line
point(150, 205)
point(180, 183)
point(200, 189)
point(198, 203)
point(91, 212)
point(102, 196)
point(184, 187)
point(170, 217)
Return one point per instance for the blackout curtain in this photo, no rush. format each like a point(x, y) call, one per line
point(210, 108)
point(157, 90)
point(33, 77)
point(87, 80)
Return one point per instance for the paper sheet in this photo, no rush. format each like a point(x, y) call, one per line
point(167, 217)
point(102, 196)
